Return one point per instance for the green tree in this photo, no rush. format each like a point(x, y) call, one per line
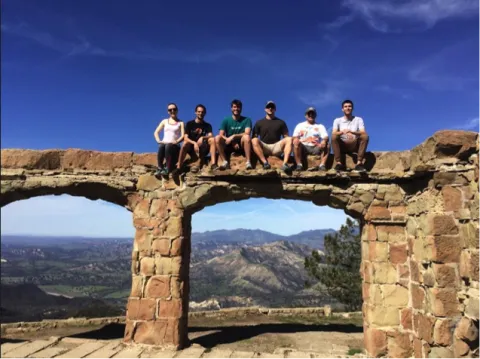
point(339, 269)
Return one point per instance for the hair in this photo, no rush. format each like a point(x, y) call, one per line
point(173, 103)
point(200, 105)
point(236, 102)
point(347, 101)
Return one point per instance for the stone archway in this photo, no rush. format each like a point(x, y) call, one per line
point(419, 211)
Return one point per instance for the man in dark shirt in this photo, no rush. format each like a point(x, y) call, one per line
point(270, 129)
point(198, 138)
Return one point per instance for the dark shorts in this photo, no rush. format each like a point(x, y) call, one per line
point(312, 150)
point(204, 148)
point(233, 148)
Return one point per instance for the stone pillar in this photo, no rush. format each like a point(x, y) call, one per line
point(386, 277)
point(157, 310)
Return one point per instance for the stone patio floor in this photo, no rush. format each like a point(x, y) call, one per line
point(57, 347)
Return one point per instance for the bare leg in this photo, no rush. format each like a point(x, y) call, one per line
point(213, 149)
point(246, 143)
point(220, 142)
point(325, 153)
point(183, 153)
point(258, 149)
point(287, 149)
point(297, 151)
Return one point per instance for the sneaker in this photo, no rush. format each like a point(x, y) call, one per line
point(360, 168)
point(266, 166)
point(194, 169)
point(299, 167)
point(213, 167)
point(339, 167)
point(159, 172)
point(285, 168)
point(224, 166)
point(322, 168)
point(248, 166)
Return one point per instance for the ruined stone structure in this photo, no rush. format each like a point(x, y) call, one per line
point(419, 211)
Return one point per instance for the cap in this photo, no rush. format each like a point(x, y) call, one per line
point(310, 109)
point(270, 103)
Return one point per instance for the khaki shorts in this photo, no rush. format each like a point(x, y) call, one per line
point(274, 149)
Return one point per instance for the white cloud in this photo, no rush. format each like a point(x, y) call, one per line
point(66, 216)
point(283, 217)
point(440, 71)
point(397, 16)
point(81, 46)
point(402, 93)
point(472, 124)
point(332, 92)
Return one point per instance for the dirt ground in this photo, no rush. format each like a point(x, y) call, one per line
point(262, 334)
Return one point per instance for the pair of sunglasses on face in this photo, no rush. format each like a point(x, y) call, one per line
point(172, 110)
point(270, 107)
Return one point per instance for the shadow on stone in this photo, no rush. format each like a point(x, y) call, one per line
point(109, 331)
point(227, 335)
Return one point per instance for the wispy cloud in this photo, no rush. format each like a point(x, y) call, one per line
point(472, 124)
point(394, 16)
point(400, 92)
point(332, 92)
point(440, 71)
point(78, 45)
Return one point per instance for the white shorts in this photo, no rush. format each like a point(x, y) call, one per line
point(273, 149)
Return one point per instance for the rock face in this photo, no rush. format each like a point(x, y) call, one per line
point(419, 211)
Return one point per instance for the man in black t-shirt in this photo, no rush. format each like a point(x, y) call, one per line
point(270, 129)
point(198, 138)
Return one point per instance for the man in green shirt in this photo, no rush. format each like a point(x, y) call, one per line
point(234, 136)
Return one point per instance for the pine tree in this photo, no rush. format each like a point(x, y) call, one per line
point(340, 272)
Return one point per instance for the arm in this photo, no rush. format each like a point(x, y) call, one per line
point(285, 130)
point(360, 127)
point(157, 131)
point(209, 133)
point(336, 129)
point(182, 135)
point(248, 130)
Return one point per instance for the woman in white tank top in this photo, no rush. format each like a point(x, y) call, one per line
point(169, 146)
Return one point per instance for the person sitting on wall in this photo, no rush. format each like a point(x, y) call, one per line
point(270, 129)
point(234, 136)
point(349, 136)
point(198, 139)
point(311, 138)
point(173, 132)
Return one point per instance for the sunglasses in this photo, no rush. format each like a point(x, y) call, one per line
point(271, 107)
point(172, 110)
point(311, 114)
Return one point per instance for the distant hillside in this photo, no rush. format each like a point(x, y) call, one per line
point(27, 302)
point(270, 275)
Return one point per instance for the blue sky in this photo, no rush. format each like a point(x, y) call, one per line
point(99, 74)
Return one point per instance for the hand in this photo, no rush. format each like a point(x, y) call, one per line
point(196, 147)
point(159, 142)
point(345, 131)
point(229, 140)
point(322, 145)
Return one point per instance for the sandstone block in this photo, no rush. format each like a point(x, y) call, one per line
point(440, 352)
point(417, 348)
point(143, 241)
point(471, 308)
point(383, 316)
point(147, 266)
point(141, 309)
point(378, 251)
point(174, 227)
point(441, 224)
point(150, 333)
point(159, 208)
point(129, 329)
point(177, 246)
point(375, 342)
point(399, 213)
point(442, 333)
point(377, 213)
point(158, 286)
point(391, 233)
point(356, 208)
point(366, 198)
point(469, 232)
point(137, 286)
point(174, 208)
point(398, 253)
point(452, 199)
point(460, 348)
point(446, 249)
point(418, 296)
point(428, 277)
point(148, 182)
point(467, 330)
point(395, 295)
point(446, 275)
point(400, 345)
point(161, 246)
point(403, 274)
point(142, 209)
point(170, 308)
point(423, 326)
point(415, 271)
point(366, 271)
point(406, 317)
point(177, 287)
point(384, 273)
point(371, 232)
point(443, 301)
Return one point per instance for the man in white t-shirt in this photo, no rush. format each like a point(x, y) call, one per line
point(349, 136)
point(311, 138)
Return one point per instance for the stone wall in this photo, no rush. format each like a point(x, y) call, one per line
point(418, 210)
